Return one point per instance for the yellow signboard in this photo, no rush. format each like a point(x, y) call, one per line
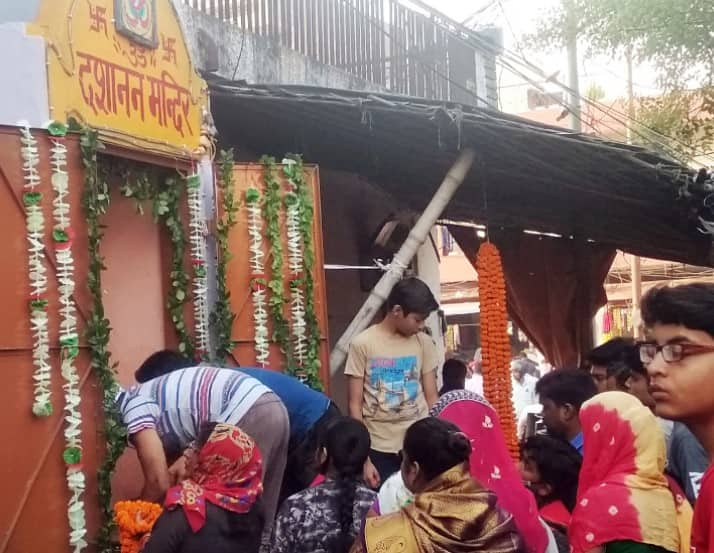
point(123, 67)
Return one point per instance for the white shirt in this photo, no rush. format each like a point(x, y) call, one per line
point(524, 394)
point(475, 384)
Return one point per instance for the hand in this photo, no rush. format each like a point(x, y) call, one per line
point(178, 471)
point(144, 540)
point(371, 475)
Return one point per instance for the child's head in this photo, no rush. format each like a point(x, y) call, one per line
point(454, 375)
point(346, 447)
point(680, 360)
point(409, 304)
point(432, 446)
point(561, 394)
point(551, 468)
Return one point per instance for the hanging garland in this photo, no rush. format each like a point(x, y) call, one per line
point(37, 274)
point(495, 345)
point(147, 183)
point(63, 235)
point(95, 201)
point(198, 260)
point(276, 285)
point(222, 317)
point(257, 276)
point(309, 371)
point(296, 266)
point(135, 520)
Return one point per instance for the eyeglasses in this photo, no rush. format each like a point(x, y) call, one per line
point(671, 353)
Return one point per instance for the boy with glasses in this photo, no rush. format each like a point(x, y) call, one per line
point(680, 363)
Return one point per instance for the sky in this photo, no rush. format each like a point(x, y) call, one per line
point(518, 18)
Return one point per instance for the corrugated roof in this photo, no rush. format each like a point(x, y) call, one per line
point(527, 175)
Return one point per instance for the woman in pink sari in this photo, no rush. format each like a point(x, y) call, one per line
point(490, 463)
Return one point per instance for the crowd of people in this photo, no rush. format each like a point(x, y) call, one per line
point(252, 460)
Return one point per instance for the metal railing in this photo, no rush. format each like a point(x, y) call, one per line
point(381, 41)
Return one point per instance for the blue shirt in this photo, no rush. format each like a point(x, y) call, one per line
point(305, 406)
point(577, 442)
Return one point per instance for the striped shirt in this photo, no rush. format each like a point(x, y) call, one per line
point(178, 404)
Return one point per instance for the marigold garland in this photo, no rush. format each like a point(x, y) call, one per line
point(135, 520)
point(495, 345)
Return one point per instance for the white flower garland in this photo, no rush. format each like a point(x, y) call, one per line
point(260, 312)
point(198, 256)
point(37, 273)
point(69, 341)
point(295, 264)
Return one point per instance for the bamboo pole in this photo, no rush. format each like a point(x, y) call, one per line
point(416, 238)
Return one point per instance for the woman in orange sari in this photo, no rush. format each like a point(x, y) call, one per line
point(451, 512)
point(624, 503)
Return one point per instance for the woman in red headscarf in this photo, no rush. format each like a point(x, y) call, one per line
point(217, 507)
point(625, 503)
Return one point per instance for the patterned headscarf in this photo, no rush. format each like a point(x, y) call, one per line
point(623, 494)
point(228, 474)
point(491, 464)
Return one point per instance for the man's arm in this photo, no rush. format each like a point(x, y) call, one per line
point(355, 396)
point(153, 463)
point(428, 383)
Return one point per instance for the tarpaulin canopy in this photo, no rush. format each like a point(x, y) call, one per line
point(528, 175)
point(595, 195)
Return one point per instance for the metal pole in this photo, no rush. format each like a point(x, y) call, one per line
point(573, 74)
point(630, 96)
point(635, 261)
point(416, 238)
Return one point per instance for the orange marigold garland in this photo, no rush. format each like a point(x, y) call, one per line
point(135, 520)
point(495, 345)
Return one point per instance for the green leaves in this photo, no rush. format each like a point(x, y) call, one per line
point(672, 36)
point(272, 207)
point(95, 201)
point(55, 128)
point(72, 455)
point(295, 172)
point(31, 198)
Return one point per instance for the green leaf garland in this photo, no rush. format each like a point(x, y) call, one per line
point(223, 317)
point(95, 201)
point(295, 172)
point(145, 183)
point(166, 207)
point(272, 205)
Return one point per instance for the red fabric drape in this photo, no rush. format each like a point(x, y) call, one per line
point(555, 287)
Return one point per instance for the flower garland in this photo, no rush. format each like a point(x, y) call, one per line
point(495, 345)
point(35, 227)
point(95, 201)
point(309, 371)
point(135, 520)
point(258, 282)
point(276, 285)
point(198, 259)
point(166, 208)
point(295, 264)
point(222, 317)
point(63, 235)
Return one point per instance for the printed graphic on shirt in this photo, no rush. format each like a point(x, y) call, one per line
point(696, 479)
point(396, 381)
